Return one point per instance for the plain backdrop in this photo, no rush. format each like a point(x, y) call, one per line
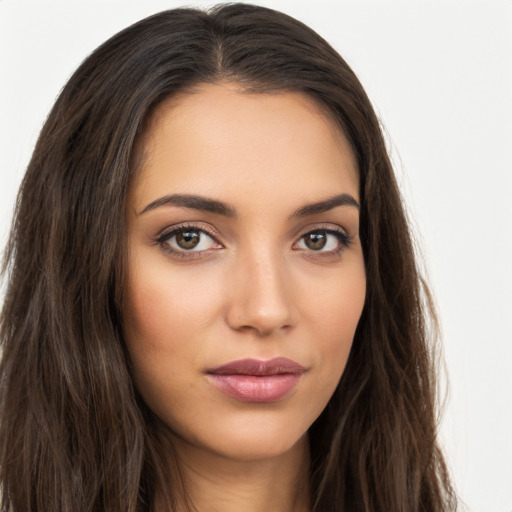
point(440, 77)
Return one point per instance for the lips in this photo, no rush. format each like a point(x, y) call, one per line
point(252, 380)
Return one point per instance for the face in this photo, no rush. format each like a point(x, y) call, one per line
point(246, 277)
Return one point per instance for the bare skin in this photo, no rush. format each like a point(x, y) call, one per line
point(243, 236)
point(229, 486)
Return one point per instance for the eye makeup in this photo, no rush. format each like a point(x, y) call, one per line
point(187, 241)
point(192, 241)
point(324, 239)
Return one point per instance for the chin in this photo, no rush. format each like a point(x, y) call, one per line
point(263, 448)
point(250, 439)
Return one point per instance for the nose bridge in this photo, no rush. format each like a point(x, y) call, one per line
point(261, 298)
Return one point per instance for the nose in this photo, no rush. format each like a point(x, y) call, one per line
point(261, 298)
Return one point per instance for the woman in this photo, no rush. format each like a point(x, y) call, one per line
point(213, 302)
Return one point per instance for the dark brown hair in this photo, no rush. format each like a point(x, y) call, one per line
point(74, 434)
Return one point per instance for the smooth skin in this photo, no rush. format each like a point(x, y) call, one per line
point(245, 268)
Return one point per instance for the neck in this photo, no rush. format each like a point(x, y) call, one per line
point(215, 483)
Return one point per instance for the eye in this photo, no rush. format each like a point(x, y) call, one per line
point(187, 240)
point(324, 240)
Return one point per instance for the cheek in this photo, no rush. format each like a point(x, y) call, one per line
point(155, 319)
point(334, 317)
point(167, 314)
point(154, 331)
point(164, 307)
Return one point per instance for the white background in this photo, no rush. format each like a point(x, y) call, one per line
point(440, 76)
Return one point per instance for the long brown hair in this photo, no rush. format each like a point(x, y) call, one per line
point(74, 434)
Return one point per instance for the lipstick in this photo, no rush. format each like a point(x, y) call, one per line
point(253, 380)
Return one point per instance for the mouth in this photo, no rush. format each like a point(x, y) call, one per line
point(252, 380)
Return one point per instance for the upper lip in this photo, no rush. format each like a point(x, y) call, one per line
point(276, 366)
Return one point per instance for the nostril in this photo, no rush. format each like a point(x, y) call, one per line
point(262, 331)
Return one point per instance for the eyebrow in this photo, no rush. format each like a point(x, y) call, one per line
point(220, 208)
point(194, 202)
point(326, 205)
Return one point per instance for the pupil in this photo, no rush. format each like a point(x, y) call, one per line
point(187, 239)
point(316, 241)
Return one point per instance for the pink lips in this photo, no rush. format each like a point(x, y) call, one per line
point(251, 380)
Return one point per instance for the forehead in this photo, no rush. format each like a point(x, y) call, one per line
point(219, 140)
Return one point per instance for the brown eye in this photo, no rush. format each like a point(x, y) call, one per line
point(315, 240)
point(323, 241)
point(188, 239)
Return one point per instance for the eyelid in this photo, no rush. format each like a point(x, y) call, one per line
point(182, 226)
point(343, 236)
point(171, 231)
point(329, 228)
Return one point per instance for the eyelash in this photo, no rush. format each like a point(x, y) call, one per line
point(163, 239)
point(344, 241)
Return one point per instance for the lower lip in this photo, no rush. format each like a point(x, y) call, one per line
point(252, 388)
